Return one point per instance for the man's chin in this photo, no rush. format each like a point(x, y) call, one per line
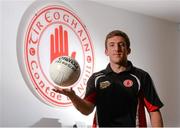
point(121, 62)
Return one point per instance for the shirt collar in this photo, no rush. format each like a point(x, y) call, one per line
point(129, 67)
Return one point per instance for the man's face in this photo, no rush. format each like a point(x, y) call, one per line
point(117, 50)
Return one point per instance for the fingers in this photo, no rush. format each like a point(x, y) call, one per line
point(65, 52)
point(73, 55)
point(57, 90)
point(65, 91)
point(52, 47)
point(56, 41)
point(59, 44)
point(61, 39)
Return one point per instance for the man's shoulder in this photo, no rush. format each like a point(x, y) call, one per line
point(96, 75)
point(139, 71)
point(99, 73)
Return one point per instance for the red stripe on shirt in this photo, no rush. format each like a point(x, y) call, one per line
point(94, 122)
point(142, 114)
point(150, 107)
point(91, 98)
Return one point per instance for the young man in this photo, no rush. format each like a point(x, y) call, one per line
point(120, 91)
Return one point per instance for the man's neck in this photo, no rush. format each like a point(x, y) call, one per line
point(117, 68)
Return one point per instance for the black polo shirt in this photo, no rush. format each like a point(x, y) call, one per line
point(120, 97)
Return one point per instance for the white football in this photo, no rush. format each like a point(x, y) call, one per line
point(64, 71)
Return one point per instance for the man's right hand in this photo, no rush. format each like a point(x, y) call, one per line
point(85, 107)
point(66, 91)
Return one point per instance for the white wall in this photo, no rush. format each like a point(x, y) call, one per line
point(155, 48)
point(0, 64)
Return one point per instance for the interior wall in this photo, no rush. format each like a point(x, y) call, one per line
point(0, 64)
point(155, 48)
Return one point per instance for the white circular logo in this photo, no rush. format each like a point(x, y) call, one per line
point(49, 30)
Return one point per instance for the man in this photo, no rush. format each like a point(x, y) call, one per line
point(120, 91)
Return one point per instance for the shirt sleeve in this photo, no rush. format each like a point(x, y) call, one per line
point(90, 94)
point(150, 96)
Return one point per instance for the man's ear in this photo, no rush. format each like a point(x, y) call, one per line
point(129, 51)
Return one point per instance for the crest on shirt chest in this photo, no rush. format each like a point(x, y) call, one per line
point(128, 83)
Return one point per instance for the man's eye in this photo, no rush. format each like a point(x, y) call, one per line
point(111, 45)
point(122, 45)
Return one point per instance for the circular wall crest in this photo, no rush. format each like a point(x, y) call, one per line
point(50, 29)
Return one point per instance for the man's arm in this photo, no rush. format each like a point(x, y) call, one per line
point(156, 119)
point(81, 105)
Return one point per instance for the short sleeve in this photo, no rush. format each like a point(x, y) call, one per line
point(150, 96)
point(91, 90)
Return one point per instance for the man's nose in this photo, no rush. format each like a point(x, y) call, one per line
point(118, 47)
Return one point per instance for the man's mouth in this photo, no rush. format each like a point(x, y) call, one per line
point(118, 54)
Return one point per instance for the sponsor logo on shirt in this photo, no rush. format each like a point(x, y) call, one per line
point(104, 84)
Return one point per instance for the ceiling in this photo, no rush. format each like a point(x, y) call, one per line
point(164, 9)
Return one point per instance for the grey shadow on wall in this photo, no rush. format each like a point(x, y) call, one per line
point(47, 122)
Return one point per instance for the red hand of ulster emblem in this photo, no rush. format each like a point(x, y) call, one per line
point(59, 44)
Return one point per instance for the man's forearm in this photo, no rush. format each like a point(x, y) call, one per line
point(156, 119)
point(82, 105)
